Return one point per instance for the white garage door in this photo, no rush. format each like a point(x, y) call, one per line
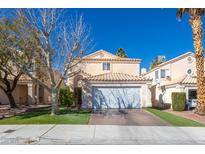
point(116, 97)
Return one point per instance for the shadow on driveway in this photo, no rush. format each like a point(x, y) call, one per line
point(137, 117)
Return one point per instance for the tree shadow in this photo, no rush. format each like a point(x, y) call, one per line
point(34, 113)
point(103, 99)
point(99, 101)
point(47, 111)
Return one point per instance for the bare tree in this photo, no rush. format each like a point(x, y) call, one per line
point(61, 42)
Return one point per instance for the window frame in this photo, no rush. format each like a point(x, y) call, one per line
point(161, 70)
point(106, 66)
point(156, 75)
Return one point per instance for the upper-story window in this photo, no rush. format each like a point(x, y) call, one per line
point(156, 74)
point(106, 66)
point(162, 73)
point(189, 72)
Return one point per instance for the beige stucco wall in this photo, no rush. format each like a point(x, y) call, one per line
point(19, 94)
point(93, 65)
point(22, 96)
point(47, 97)
point(167, 95)
point(3, 98)
point(177, 69)
point(95, 68)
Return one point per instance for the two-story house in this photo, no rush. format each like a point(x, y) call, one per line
point(108, 81)
point(175, 75)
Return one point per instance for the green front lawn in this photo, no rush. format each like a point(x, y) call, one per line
point(42, 116)
point(174, 120)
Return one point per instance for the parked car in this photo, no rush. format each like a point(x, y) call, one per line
point(191, 103)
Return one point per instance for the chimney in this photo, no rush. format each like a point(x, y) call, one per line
point(143, 71)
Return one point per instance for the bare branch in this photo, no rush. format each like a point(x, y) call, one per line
point(52, 41)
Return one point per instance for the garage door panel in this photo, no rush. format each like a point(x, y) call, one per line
point(110, 97)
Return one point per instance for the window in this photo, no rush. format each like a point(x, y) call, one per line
point(156, 75)
point(189, 71)
point(106, 66)
point(162, 73)
point(189, 59)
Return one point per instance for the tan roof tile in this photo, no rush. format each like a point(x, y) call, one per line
point(117, 59)
point(186, 80)
point(189, 80)
point(107, 56)
point(116, 77)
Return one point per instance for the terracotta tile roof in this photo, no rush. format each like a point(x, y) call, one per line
point(112, 59)
point(189, 80)
point(186, 80)
point(107, 56)
point(172, 82)
point(84, 73)
point(23, 78)
point(116, 77)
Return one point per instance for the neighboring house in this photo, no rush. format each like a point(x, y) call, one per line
point(175, 75)
point(28, 92)
point(108, 81)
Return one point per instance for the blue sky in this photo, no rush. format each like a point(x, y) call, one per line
point(143, 33)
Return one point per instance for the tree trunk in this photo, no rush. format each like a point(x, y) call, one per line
point(196, 24)
point(54, 101)
point(11, 100)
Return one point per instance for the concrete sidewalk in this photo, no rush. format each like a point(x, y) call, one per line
point(100, 134)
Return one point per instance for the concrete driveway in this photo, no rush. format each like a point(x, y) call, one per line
point(137, 117)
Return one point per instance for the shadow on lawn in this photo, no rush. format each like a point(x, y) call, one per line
point(47, 111)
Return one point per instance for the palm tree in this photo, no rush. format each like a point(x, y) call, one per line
point(195, 21)
point(121, 53)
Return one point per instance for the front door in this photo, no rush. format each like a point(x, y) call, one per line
point(78, 95)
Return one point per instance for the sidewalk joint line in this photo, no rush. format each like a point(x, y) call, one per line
point(47, 131)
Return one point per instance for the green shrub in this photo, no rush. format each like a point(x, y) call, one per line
point(178, 101)
point(66, 96)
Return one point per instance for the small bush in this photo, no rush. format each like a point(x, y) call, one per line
point(178, 101)
point(66, 96)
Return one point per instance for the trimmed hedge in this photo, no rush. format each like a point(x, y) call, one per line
point(178, 101)
point(66, 96)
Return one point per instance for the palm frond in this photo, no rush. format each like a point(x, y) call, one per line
point(181, 12)
point(192, 12)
